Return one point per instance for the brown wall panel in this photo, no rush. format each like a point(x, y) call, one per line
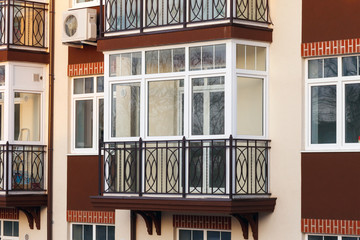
point(87, 54)
point(325, 20)
point(330, 185)
point(185, 36)
point(82, 182)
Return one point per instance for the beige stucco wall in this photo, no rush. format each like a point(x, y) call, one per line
point(62, 127)
point(33, 234)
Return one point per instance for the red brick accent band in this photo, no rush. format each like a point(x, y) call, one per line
point(90, 216)
point(206, 222)
point(9, 213)
point(328, 226)
point(336, 47)
point(85, 69)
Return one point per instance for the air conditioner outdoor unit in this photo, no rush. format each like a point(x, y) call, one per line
point(79, 25)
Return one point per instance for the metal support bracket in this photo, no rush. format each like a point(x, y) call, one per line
point(151, 217)
point(32, 214)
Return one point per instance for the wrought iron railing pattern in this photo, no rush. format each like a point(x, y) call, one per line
point(22, 167)
point(23, 23)
point(188, 167)
point(122, 15)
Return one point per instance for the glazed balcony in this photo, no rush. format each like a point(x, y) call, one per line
point(155, 15)
point(23, 24)
point(229, 168)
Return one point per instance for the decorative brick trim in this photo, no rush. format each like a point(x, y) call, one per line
point(336, 47)
point(9, 213)
point(85, 69)
point(329, 226)
point(90, 216)
point(206, 222)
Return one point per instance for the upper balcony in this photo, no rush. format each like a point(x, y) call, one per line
point(137, 16)
point(23, 25)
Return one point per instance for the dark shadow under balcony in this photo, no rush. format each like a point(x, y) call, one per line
point(23, 24)
point(223, 175)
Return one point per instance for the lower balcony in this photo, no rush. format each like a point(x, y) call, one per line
point(22, 175)
point(222, 175)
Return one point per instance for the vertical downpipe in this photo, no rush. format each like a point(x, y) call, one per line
point(183, 167)
point(231, 167)
point(102, 16)
point(141, 177)
point(100, 167)
point(7, 169)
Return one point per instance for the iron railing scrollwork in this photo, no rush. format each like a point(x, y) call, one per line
point(22, 167)
point(23, 23)
point(188, 167)
point(123, 15)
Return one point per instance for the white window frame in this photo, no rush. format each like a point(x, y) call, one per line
point(230, 74)
point(2, 236)
point(340, 82)
point(93, 228)
point(95, 97)
point(339, 237)
point(200, 229)
point(93, 3)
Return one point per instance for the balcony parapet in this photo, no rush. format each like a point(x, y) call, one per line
point(221, 168)
point(23, 24)
point(138, 16)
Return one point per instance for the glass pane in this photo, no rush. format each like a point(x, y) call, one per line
point(315, 68)
point(78, 86)
point(15, 229)
point(212, 235)
point(260, 58)
point(83, 123)
point(1, 115)
point(151, 61)
point(179, 60)
point(89, 85)
point(208, 106)
point(136, 63)
point(225, 235)
point(125, 110)
point(330, 67)
point(111, 233)
point(195, 58)
point(184, 235)
point(88, 232)
point(165, 63)
point(8, 228)
point(250, 57)
point(2, 75)
point(165, 116)
point(349, 238)
point(101, 119)
point(125, 62)
point(220, 56)
point(100, 232)
point(208, 57)
point(77, 232)
point(100, 84)
point(352, 113)
point(27, 116)
point(349, 66)
point(330, 238)
point(323, 114)
point(315, 237)
point(240, 56)
point(198, 235)
point(250, 106)
point(114, 63)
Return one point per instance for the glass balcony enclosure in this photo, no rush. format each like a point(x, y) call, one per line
point(22, 150)
point(23, 23)
point(186, 119)
point(125, 15)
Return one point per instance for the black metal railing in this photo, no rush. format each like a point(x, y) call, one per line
point(23, 23)
point(122, 15)
point(188, 167)
point(22, 167)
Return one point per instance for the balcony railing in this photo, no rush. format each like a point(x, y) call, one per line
point(123, 15)
point(22, 167)
point(229, 167)
point(23, 23)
